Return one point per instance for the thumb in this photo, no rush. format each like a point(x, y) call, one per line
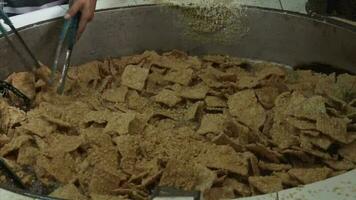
point(74, 9)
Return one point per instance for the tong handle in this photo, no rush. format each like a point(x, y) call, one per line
point(69, 31)
point(5, 87)
point(71, 40)
point(11, 174)
point(5, 18)
point(6, 21)
point(72, 32)
point(22, 41)
point(73, 27)
point(61, 41)
point(3, 30)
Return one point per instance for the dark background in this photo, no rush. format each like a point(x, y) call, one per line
point(340, 8)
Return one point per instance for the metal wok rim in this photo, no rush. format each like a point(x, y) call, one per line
point(316, 18)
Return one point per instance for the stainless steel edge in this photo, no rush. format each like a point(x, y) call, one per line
point(273, 35)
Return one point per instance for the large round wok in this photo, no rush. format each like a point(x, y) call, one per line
point(283, 37)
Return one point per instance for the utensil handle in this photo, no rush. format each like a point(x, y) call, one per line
point(22, 41)
point(72, 32)
point(62, 81)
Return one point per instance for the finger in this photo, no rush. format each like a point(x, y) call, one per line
point(92, 7)
point(81, 31)
point(82, 25)
point(74, 9)
point(87, 16)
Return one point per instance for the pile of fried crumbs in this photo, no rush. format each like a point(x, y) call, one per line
point(208, 21)
point(225, 126)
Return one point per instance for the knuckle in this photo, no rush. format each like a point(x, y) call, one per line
point(91, 17)
point(88, 17)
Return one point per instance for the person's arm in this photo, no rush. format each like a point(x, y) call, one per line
point(87, 9)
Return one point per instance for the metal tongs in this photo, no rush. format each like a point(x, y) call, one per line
point(5, 87)
point(68, 36)
point(4, 32)
point(6, 169)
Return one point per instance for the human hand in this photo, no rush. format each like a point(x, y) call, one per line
point(87, 9)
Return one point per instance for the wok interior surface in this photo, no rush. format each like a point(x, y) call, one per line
point(132, 123)
point(267, 35)
point(225, 126)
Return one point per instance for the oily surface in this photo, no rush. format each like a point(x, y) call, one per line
point(225, 126)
